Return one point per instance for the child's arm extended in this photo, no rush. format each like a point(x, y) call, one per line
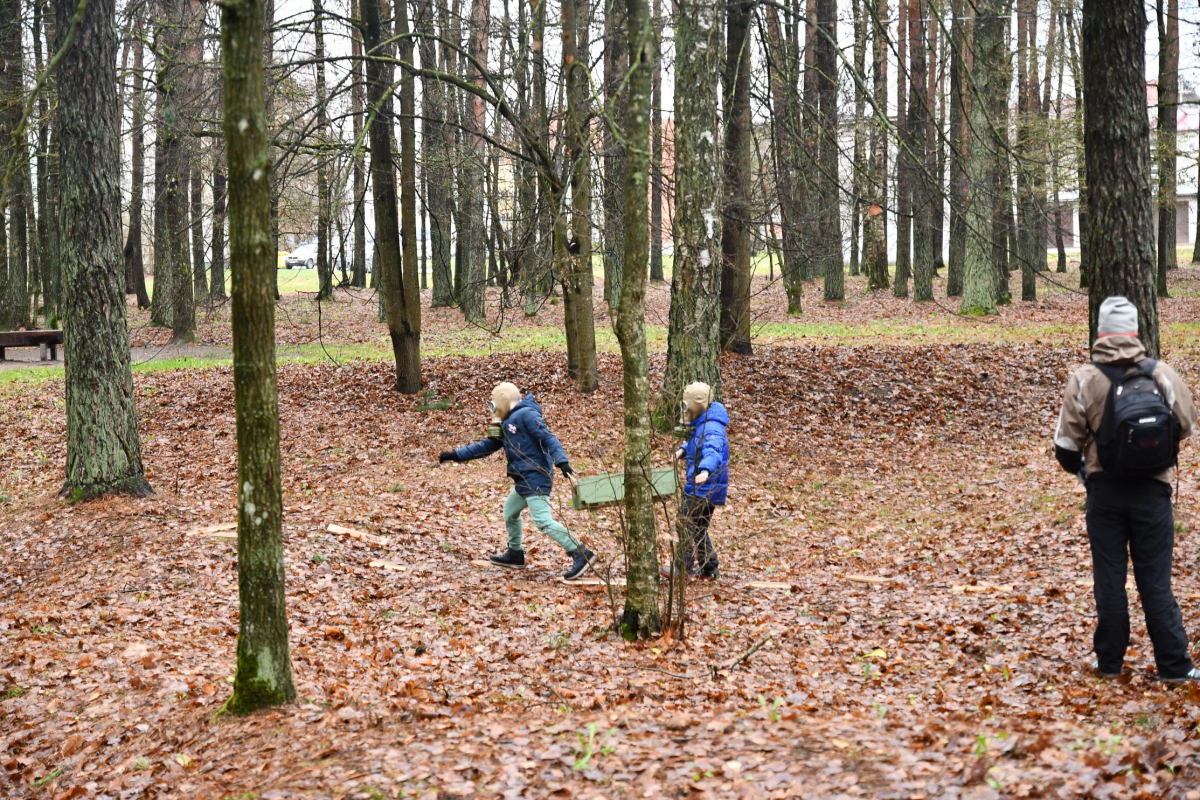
point(709, 457)
point(480, 449)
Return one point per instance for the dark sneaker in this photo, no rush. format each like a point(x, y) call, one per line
point(1096, 669)
point(1192, 676)
point(706, 575)
point(510, 559)
point(584, 559)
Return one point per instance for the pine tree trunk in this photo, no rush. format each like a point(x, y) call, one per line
point(918, 124)
point(693, 335)
point(904, 160)
point(616, 65)
point(358, 277)
point(577, 252)
point(640, 617)
point(827, 62)
point(263, 676)
point(877, 215)
point(737, 211)
point(324, 192)
point(959, 132)
point(656, 164)
point(1120, 232)
point(986, 82)
point(199, 273)
point(779, 72)
point(220, 194)
point(403, 328)
point(103, 451)
point(16, 303)
point(1168, 113)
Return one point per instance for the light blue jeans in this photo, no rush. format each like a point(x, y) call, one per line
point(539, 510)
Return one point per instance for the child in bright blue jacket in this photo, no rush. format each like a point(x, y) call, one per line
point(707, 469)
point(532, 452)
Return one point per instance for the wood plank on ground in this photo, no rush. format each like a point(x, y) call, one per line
point(362, 536)
point(219, 531)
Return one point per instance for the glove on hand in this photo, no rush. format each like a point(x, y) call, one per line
point(447, 455)
point(566, 470)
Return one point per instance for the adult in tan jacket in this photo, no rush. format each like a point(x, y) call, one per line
point(1126, 516)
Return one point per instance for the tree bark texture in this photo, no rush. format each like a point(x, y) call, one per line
point(780, 69)
point(641, 614)
point(904, 160)
point(693, 334)
point(616, 64)
point(1168, 115)
point(918, 123)
point(263, 676)
point(12, 104)
point(737, 207)
point(832, 265)
point(877, 214)
point(959, 133)
point(103, 450)
point(1120, 235)
point(656, 156)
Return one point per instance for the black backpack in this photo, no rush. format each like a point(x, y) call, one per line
point(1139, 434)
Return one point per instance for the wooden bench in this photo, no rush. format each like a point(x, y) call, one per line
point(598, 491)
point(46, 341)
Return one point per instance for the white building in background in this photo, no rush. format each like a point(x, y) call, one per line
point(1186, 170)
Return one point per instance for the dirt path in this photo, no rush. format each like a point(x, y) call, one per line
point(27, 357)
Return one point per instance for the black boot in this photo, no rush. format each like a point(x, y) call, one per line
point(584, 559)
point(510, 559)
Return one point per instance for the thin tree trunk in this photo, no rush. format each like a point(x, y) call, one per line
point(656, 162)
point(641, 616)
point(199, 273)
point(472, 237)
point(103, 450)
point(959, 133)
point(858, 166)
point(904, 159)
point(1077, 78)
point(358, 277)
point(616, 65)
point(577, 277)
point(693, 335)
point(1117, 142)
point(263, 676)
point(736, 230)
point(779, 72)
point(937, 127)
point(1168, 112)
point(135, 271)
point(920, 152)
point(827, 60)
point(220, 193)
point(1026, 57)
point(324, 191)
point(47, 191)
point(1003, 223)
point(877, 257)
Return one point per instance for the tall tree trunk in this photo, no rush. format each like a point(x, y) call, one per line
point(959, 133)
point(616, 64)
point(985, 82)
point(858, 164)
point(640, 617)
point(806, 117)
point(877, 215)
point(833, 267)
point(1080, 111)
point(324, 191)
point(14, 148)
point(472, 236)
point(936, 151)
point(736, 211)
point(693, 335)
point(1026, 57)
point(1003, 223)
point(1168, 113)
point(220, 194)
point(577, 277)
point(47, 191)
point(904, 158)
point(435, 159)
point(263, 676)
point(1117, 142)
point(358, 277)
point(404, 294)
point(918, 124)
point(780, 69)
point(199, 273)
point(104, 454)
point(656, 163)
point(135, 270)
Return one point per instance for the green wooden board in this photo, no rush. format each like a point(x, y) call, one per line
point(604, 490)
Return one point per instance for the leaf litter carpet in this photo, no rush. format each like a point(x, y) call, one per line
point(922, 617)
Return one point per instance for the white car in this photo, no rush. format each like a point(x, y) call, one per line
point(304, 256)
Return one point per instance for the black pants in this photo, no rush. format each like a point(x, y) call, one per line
point(1132, 517)
point(694, 517)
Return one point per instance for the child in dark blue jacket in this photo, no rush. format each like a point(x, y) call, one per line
point(532, 452)
point(707, 469)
